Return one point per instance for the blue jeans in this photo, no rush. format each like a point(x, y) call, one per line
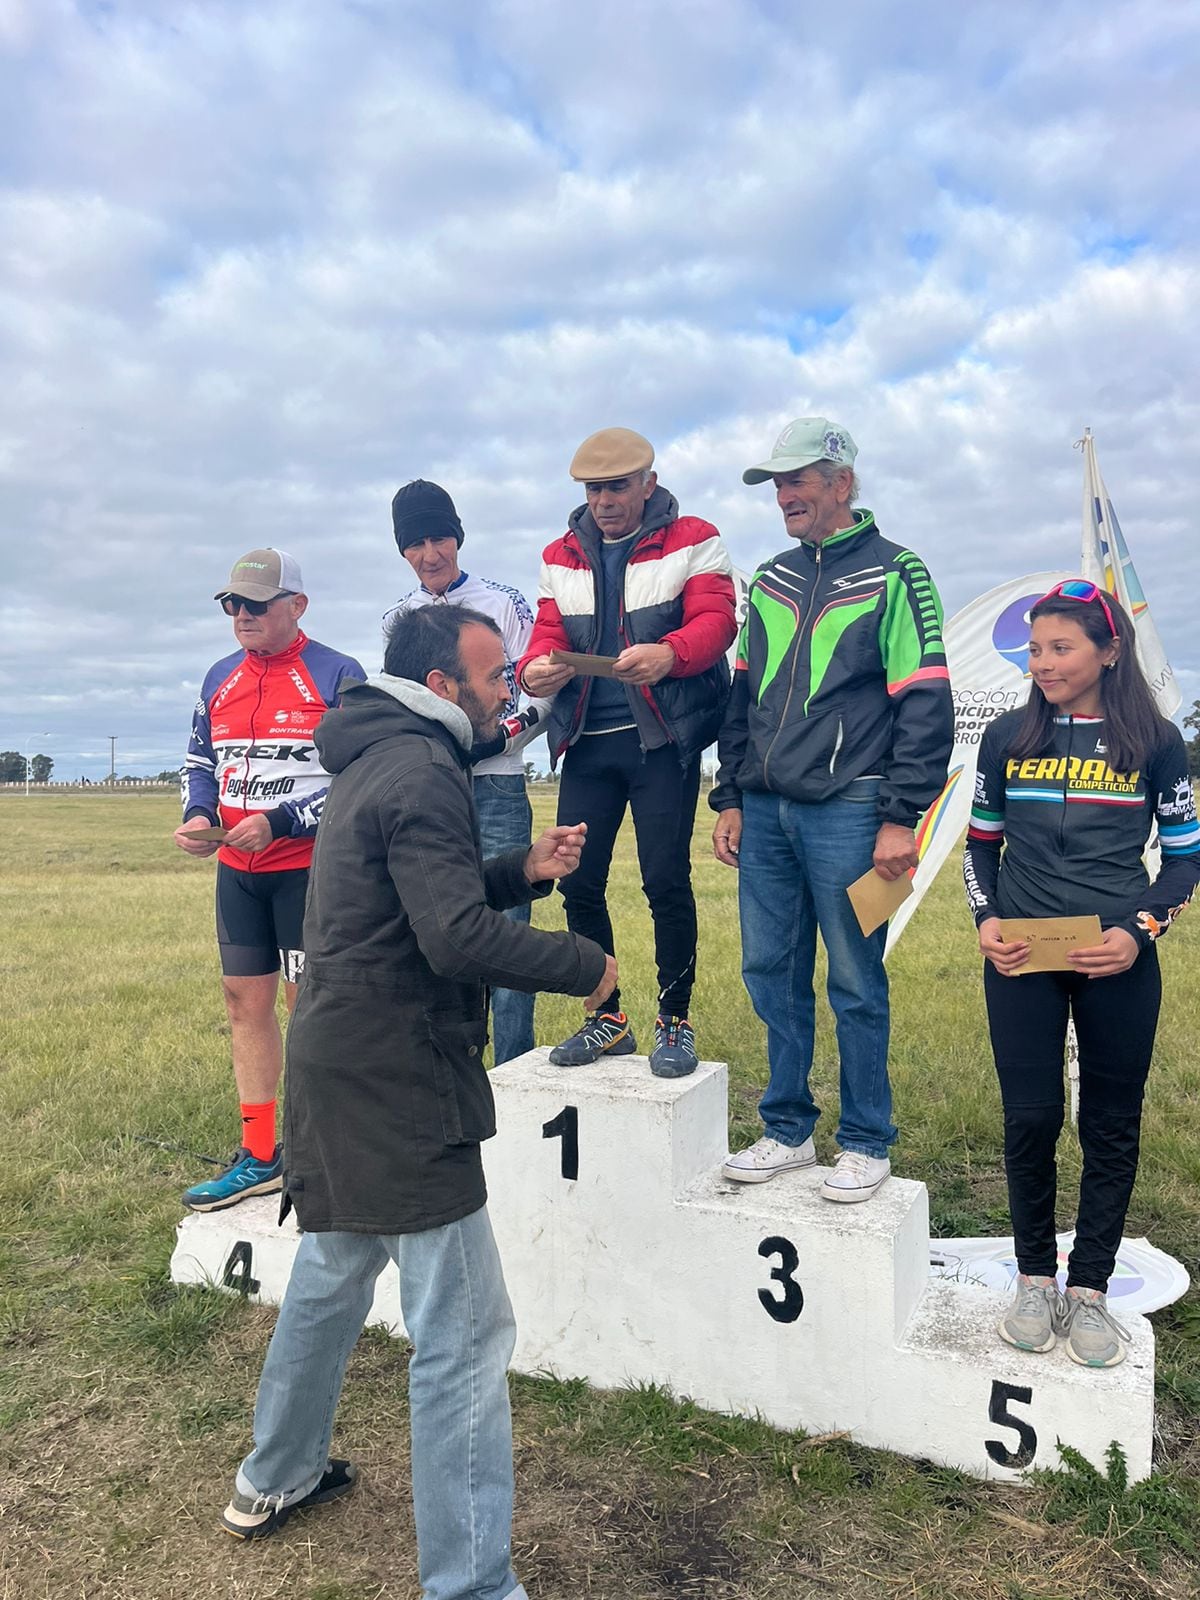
point(795, 863)
point(505, 821)
point(457, 1314)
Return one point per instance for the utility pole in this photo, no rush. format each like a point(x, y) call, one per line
point(112, 757)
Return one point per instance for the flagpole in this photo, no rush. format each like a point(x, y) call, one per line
point(1089, 567)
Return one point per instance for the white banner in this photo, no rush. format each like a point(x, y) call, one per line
point(741, 590)
point(1106, 561)
point(987, 647)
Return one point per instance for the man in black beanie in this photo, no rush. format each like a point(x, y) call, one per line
point(429, 536)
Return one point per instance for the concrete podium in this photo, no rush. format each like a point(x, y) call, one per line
point(629, 1259)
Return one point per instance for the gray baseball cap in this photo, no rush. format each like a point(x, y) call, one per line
point(262, 574)
point(802, 442)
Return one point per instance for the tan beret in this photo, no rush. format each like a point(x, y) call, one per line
point(611, 453)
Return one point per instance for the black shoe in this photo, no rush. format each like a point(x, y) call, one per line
point(604, 1033)
point(253, 1517)
point(674, 1053)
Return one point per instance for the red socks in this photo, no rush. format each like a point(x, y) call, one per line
point(258, 1130)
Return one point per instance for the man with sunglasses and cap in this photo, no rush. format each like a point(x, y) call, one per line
point(251, 768)
point(837, 737)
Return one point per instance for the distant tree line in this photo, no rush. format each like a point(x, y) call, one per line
point(12, 767)
point(12, 770)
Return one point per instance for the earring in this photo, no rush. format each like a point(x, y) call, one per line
point(1109, 665)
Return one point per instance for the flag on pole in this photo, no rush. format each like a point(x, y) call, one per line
point(1106, 561)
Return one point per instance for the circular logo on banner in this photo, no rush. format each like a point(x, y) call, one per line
point(1144, 1278)
point(1010, 635)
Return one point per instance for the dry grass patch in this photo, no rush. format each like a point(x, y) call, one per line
point(125, 1402)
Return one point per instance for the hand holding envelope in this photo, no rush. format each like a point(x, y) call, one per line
point(875, 899)
point(1050, 940)
point(585, 665)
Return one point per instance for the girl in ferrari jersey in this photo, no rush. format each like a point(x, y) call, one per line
point(1067, 791)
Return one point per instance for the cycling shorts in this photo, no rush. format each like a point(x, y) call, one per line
point(260, 921)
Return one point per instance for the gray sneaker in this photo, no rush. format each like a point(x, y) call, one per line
point(1031, 1320)
point(1094, 1336)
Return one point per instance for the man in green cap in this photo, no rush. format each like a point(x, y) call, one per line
point(837, 737)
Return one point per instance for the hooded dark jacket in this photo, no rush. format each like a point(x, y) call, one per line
point(387, 1096)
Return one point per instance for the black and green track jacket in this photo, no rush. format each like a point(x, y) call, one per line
point(841, 674)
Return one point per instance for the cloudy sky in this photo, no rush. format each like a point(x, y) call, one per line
point(262, 263)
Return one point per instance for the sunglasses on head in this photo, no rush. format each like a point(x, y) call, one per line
point(231, 604)
point(1080, 589)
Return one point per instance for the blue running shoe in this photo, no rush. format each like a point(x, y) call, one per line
point(674, 1053)
point(604, 1033)
point(245, 1175)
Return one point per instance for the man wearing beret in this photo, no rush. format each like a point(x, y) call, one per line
point(837, 736)
point(429, 535)
point(633, 581)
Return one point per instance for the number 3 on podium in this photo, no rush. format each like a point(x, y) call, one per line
point(789, 1303)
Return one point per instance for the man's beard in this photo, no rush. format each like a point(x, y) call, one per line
point(484, 723)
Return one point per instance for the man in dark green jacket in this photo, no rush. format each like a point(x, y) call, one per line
point(837, 737)
point(388, 1100)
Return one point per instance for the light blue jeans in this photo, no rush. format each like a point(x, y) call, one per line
point(506, 821)
point(795, 863)
point(458, 1316)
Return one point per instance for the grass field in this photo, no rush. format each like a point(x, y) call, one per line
point(125, 1402)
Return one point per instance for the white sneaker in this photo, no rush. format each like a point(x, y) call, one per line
point(767, 1158)
point(855, 1177)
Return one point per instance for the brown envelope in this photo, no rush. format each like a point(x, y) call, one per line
point(875, 899)
point(207, 833)
point(586, 666)
point(1050, 938)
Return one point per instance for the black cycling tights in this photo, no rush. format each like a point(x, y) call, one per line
point(1115, 1020)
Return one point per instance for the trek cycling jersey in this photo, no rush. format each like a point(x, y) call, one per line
point(252, 750)
point(1062, 834)
point(509, 610)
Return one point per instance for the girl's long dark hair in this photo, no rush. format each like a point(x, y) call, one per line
point(1133, 724)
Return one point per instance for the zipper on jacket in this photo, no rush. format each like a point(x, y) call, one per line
point(585, 689)
point(804, 621)
point(641, 688)
point(837, 745)
point(262, 683)
point(1062, 822)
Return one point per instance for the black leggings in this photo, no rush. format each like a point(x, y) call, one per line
point(603, 774)
point(1115, 1019)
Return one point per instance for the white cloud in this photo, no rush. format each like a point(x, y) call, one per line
point(261, 265)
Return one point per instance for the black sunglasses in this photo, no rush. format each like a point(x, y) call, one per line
point(231, 604)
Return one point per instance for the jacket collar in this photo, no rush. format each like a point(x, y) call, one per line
point(282, 658)
point(662, 509)
point(837, 542)
point(448, 590)
point(426, 704)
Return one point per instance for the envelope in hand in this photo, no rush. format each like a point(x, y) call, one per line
point(875, 899)
point(1050, 939)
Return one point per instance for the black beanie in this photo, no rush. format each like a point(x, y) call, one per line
point(424, 511)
